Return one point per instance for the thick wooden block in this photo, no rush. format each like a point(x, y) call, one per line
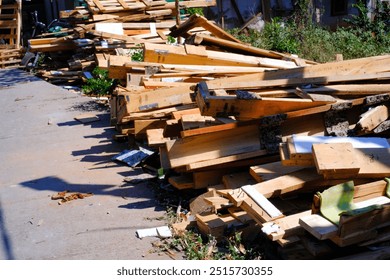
point(337, 160)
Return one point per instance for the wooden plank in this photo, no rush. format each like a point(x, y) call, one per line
point(271, 170)
point(318, 226)
point(237, 180)
point(178, 114)
point(123, 4)
point(197, 20)
point(374, 163)
point(217, 202)
point(211, 129)
point(141, 126)
point(246, 109)
point(196, 121)
point(210, 177)
point(99, 5)
point(323, 229)
point(155, 137)
point(215, 225)
point(351, 89)
point(356, 238)
point(371, 220)
point(221, 160)
point(158, 98)
point(159, 113)
point(182, 182)
point(214, 145)
point(285, 82)
point(353, 67)
point(263, 202)
point(336, 160)
point(236, 47)
point(303, 180)
point(169, 54)
point(241, 199)
point(372, 118)
point(164, 161)
point(288, 226)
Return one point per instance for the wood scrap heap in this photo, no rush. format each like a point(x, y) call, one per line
point(103, 27)
point(281, 146)
point(274, 140)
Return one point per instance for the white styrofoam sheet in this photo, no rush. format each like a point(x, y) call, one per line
point(303, 144)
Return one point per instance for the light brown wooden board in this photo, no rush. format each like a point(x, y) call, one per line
point(372, 118)
point(270, 171)
point(246, 109)
point(347, 68)
point(169, 54)
point(212, 146)
point(336, 160)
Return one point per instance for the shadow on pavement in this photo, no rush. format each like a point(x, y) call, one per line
point(10, 77)
point(4, 238)
point(126, 191)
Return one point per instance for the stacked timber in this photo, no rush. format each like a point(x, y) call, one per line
point(10, 27)
point(239, 136)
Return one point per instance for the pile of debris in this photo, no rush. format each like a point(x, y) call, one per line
point(103, 28)
point(281, 146)
point(274, 140)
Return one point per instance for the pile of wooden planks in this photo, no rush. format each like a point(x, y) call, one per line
point(238, 132)
point(10, 27)
point(260, 132)
point(107, 28)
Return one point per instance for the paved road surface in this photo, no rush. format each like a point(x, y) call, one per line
point(43, 150)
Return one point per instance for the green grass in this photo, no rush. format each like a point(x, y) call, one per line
point(297, 35)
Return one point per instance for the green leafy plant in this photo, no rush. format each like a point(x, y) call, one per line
point(171, 40)
point(100, 84)
point(137, 54)
point(193, 11)
point(280, 36)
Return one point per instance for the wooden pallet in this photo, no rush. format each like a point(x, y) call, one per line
point(10, 58)
point(113, 6)
point(10, 24)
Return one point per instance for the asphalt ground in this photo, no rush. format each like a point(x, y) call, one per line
point(44, 151)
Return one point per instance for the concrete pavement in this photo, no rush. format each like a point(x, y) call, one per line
point(43, 150)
